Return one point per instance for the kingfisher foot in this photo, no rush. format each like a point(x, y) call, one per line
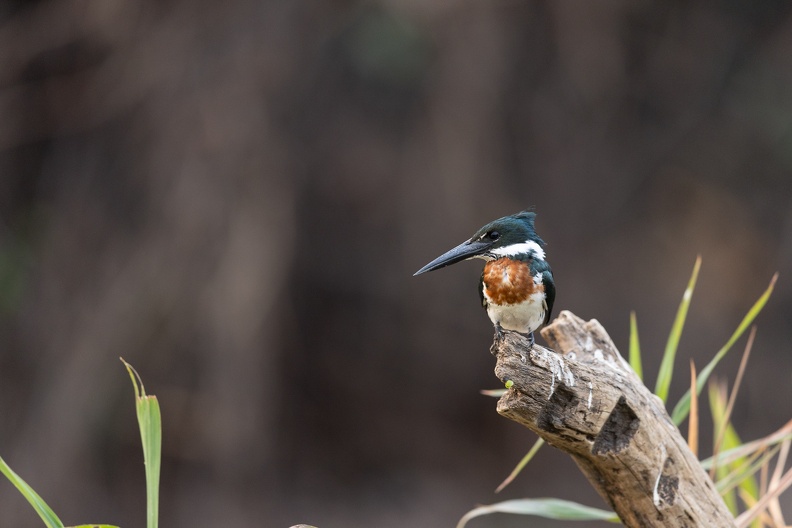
point(498, 332)
point(496, 341)
point(530, 337)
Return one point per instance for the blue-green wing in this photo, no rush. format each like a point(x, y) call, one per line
point(549, 288)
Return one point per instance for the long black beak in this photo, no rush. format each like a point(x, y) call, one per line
point(463, 251)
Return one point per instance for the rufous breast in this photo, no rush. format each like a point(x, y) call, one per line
point(508, 281)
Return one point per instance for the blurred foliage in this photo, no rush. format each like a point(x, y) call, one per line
point(150, 425)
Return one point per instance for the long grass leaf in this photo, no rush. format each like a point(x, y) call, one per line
point(667, 364)
point(775, 507)
point(635, 347)
point(746, 517)
point(493, 393)
point(741, 473)
point(94, 526)
point(41, 507)
point(549, 508)
point(150, 423)
point(693, 423)
point(763, 520)
point(519, 467)
point(683, 407)
point(717, 401)
point(763, 480)
point(720, 431)
point(730, 455)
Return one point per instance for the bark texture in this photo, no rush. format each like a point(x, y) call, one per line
point(584, 399)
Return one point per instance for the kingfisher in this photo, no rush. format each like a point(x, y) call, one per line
point(516, 286)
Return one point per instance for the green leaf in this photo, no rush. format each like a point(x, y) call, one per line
point(95, 526)
point(740, 474)
point(740, 470)
point(549, 508)
point(635, 347)
point(519, 467)
point(493, 393)
point(44, 511)
point(667, 364)
point(762, 444)
point(150, 422)
point(682, 408)
point(717, 403)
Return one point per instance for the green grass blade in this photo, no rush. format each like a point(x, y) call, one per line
point(748, 468)
point(150, 422)
point(682, 408)
point(549, 508)
point(740, 471)
point(44, 511)
point(730, 455)
point(519, 467)
point(667, 365)
point(493, 393)
point(717, 403)
point(635, 347)
point(95, 526)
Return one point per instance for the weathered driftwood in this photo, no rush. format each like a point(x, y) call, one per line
point(584, 399)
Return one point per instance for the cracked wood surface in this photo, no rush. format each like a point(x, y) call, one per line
point(584, 399)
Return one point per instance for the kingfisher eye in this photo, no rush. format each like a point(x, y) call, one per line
point(493, 235)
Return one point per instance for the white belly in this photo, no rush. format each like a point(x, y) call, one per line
point(524, 317)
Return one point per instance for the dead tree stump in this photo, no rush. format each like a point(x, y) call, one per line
point(584, 399)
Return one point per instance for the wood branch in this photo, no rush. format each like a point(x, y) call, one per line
point(584, 399)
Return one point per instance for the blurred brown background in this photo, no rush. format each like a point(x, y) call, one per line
point(233, 196)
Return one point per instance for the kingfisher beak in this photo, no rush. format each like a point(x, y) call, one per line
point(464, 251)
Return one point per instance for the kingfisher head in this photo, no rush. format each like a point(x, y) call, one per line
point(510, 236)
